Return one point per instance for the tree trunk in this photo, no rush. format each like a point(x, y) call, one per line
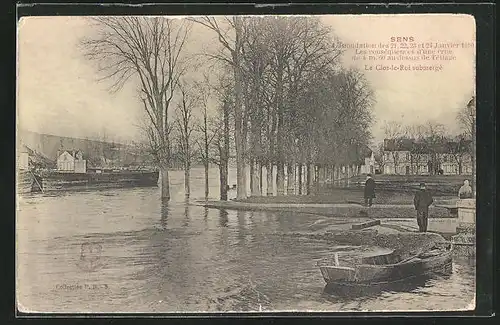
point(206, 180)
point(165, 185)
point(269, 168)
point(261, 181)
point(309, 177)
point(256, 179)
point(224, 155)
point(186, 180)
point(223, 181)
point(238, 114)
point(280, 178)
point(291, 178)
point(252, 178)
point(299, 178)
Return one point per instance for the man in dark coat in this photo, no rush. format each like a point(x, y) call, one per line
point(422, 200)
point(369, 190)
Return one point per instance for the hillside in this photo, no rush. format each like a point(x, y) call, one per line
point(96, 152)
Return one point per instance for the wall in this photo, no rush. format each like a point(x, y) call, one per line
point(66, 162)
point(80, 166)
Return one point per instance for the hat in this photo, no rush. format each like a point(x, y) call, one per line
point(422, 184)
point(369, 175)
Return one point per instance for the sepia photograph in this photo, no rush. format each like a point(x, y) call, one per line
point(255, 164)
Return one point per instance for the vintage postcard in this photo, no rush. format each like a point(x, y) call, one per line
point(246, 164)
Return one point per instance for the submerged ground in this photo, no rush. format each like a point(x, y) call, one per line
point(181, 257)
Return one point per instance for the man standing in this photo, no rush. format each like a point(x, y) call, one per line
point(465, 192)
point(422, 200)
point(369, 190)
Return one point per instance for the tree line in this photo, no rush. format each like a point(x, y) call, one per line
point(426, 143)
point(283, 100)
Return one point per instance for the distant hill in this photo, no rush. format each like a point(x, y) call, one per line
point(96, 152)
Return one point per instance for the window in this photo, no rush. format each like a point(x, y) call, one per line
point(407, 156)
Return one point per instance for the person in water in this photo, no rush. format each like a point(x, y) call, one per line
point(369, 190)
point(422, 200)
point(465, 192)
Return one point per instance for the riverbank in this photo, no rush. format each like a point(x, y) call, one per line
point(345, 210)
point(330, 195)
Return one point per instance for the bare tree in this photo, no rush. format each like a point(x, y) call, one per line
point(231, 34)
point(150, 49)
point(394, 133)
point(458, 148)
point(206, 129)
point(185, 127)
point(467, 119)
point(434, 141)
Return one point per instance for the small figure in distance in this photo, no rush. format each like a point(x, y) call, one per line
point(422, 200)
point(465, 192)
point(369, 190)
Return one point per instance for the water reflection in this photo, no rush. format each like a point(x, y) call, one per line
point(223, 218)
point(175, 256)
point(165, 210)
point(186, 212)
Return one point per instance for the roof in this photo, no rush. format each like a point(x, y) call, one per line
point(72, 152)
point(398, 144)
point(428, 145)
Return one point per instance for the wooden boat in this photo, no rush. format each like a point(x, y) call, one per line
point(388, 268)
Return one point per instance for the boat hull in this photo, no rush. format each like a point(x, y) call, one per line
point(369, 275)
point(54, 181)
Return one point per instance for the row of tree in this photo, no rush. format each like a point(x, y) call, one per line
point(282, 96)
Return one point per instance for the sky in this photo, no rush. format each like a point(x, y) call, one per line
point(58, 90)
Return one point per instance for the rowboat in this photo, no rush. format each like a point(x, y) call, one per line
point(382, 269)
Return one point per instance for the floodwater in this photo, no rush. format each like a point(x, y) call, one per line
point(123, 251)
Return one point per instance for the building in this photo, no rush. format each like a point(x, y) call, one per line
point(443, 156)
point(370, 164)
point(23, 158)
point(71, 161)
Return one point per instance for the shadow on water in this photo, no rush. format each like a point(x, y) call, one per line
point(186, 212)
point(354, 292)
point(223, 218)
point(165, 210)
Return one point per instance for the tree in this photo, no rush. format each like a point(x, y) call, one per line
point(467, 119)
point(185, 127)
point(394, 133)
point(234, 26)
point(207, 131)
point(457, 148)
point(221, 130)
point(150, 49)
point(434, 141)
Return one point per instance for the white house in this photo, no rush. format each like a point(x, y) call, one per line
point(369, 165)
point(410, 157)
point(71, 162)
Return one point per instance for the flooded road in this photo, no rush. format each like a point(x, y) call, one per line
point(123, 251)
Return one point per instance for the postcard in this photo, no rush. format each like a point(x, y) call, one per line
point(202, 164)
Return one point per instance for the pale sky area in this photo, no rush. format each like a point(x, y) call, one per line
point(58, 92)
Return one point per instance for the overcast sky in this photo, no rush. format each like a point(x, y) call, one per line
point(58, 92)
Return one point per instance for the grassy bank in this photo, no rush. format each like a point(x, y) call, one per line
point(329, 195)
point(345, 211)
point(438, 184)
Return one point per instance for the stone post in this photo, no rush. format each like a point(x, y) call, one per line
point(464, 242)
